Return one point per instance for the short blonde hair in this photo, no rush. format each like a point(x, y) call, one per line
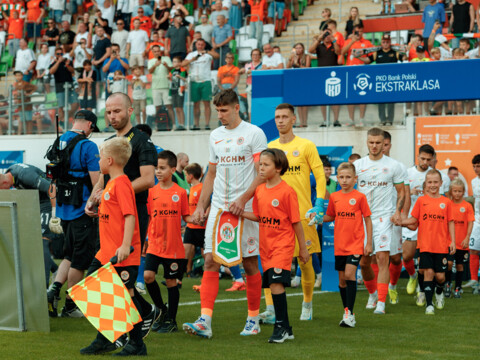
point(346, 166)
point(118, 148)
point(457, 182)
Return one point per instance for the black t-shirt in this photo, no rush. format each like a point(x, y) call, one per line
point(385, 57)
point(94, 91)
point(159, 15)
point(62, 75)
point(107, 28)
point(52, 33)
point(349, 26)
point(67, 38)
point(143, 153)
point(100, 48)
point(326, 56)
point(30, 177)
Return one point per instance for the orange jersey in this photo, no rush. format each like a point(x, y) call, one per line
point(277, 210)
point(166, 208)
point(462, 214)
point(433, 215)
point(193, 198)
point(152, 44)
point(227, 74)
point(348, 211)
point(118, 200)
point(360, 44)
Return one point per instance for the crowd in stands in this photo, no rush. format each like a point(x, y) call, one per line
point(165, 46)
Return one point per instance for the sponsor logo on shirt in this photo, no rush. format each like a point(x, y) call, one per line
point(232, 159)
point(373, 183)
point(433, 217)
point(294, 169)
point(219, 141)
point(346, 214)
point(269, 221)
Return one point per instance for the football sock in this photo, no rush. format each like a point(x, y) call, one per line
point(156, 295)
point(421, 282)
point(474, 262)
point(458, 279)
point(268, 297)
point(316, 264)
point(371, 285)
point(173, 300)
point(308, 280)
point(439, 288)
point(136, 332)
point(351, 294)
point(144, 307)
point(410, 267)
point(375, 270)
point(343, 295)
point(236, 273)
point(141, 270)
point(57, 286)
point(209, 292)
point(448, 276)
point(281, 312)
point(254, 294)
point(382, 292)
point(429, 292)
point(395, 271)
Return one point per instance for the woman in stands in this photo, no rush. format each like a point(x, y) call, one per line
point(353, 19)
point(299, 59)
point(255, 64)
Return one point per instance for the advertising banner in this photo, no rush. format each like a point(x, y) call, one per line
point(8, 158)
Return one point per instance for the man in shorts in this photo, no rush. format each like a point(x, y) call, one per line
point(137, 42)
point(235, 149)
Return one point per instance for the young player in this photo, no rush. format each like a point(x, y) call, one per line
point(275, 207)
point(168, 204)
point(463, 217)
point(432, 214)
point(475, 238)
point(118, 225)
point(349, 208)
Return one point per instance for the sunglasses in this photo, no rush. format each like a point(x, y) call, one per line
point(59, 54)
point(120, 23)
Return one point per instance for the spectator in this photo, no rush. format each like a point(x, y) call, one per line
point(416, 40)
point(67, 37)
point(100, 21)
point(159, 66)
point(326, 15)
point(353, 20)
point(147, 10)
point(19, 86)
point(161, 16)
point(278, 7)
point(221, 36)
point(90, 25)
point(197, 36)
point(235, 19)
point(125, 7)
point(205, 29)
point(43, 63)
point(139, 95)
point(86, 80)
point(25, 61)
point(81, 53)
point(120, 37)
point(15, 27)
point(107, 10)
point(255, 28)
point(35, 15)
point(296, 10)
point(433, 12)
point(356, 42)
point(115, 62)
point(178, 38)
point(412, 5)
point(155, 41)
point(145, 22)
point(255, 64)
point(83, 33)
point(178, 9)
point(217, 10)
point(101, 51)
point(178, 78)
point(462, 20)
point(118, 83)
point(271, 60)
point(204, 8)
point(421, 56)
point(298, 59)
point(200, 63)
point(51, 36)
point(228, 75)
point(63, 71)
point(57, 8)
point(435, 54)
point(137, 42)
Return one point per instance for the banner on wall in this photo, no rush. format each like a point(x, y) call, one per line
point(8, 158)
point(455, 139)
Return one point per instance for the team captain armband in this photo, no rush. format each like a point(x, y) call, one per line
point(256, 157)
point(226, 238)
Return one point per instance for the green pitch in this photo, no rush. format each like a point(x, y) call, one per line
point(403, 333)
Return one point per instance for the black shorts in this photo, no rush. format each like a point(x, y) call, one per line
point(460, 257)
point(172, 268)
point(437, 262)
point(128, 274)
point(80, 239)
point(341, 261)
point(276, 276)
point(177, 100)
point(196, 237)
point(45, 216)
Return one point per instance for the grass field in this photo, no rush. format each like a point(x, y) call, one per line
point(403, 333)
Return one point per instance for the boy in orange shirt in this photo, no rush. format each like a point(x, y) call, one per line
point(168, 204)
point(275, 207)
point(463, 217)
point(349, 208)
point(432, 214)
point(118, 225)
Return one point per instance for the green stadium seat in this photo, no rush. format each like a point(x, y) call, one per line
point(314, 63)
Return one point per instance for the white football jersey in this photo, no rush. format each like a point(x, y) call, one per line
point(476, 195)
point(377, 179)
point(234, 152)
point(445, 183)
point(415, 180)
point(405, 181)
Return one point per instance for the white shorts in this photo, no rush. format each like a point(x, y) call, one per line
point(136, 60)
point(396, 243)
point(382, 229)
point(250, 241)
point(409, 235)
point(474, 243)
point(161, 97)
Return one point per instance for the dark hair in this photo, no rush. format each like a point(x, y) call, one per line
point(253, 50)
point(465, 40)
point(87, 62)
point(376, 132)
point(358, 26)
point(169, 156)
point(115, 44)
point(476, 159)
point(387, 135)
point(331, 21)
point(285, 106)
point(179, 58)
point(156, 46)
point(325, 162)
point(195, 170)
point(427, 149)
point(452, 168)
point(278, 157)
point(144, 128)
point(354, 156)
point(226, 97)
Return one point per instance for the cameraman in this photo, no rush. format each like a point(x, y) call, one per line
point(73, 191)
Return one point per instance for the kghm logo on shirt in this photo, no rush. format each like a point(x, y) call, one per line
point(433, 217)
point(232, 159)
point(269, 220)
point(346, 214)
point(373, 183)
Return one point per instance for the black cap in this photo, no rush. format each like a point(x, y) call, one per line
point(420, 48)
point(89, 116)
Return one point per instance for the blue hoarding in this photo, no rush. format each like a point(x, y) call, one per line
point(8, 158)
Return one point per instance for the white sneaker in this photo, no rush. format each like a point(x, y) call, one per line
point(420, 299)
point(267, 317)
point(348, 319)
point(199, 328)
point(430, 310)
point(470, 283)
point(252, 327)
point(307, 312)
point(318, 281)
point(140, 288)
point(439, 301)
point(295, 282)
point(380, 309)
point(372, 301)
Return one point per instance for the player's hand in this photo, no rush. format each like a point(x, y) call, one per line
point(465, 243)
point(55, 225)
point(452, 248)
point(304, 256)
point(198, 215)
point(90, 209)
point(368, 250)
point(316, 213)
point(397, 218)
point(122, 253)
point(237, 207)
point(97, 196)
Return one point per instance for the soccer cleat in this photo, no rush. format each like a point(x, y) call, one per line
point(267, 318)
point(318, 281)
point(149, 320)
point(133, 349)
point(430, 310)
point(295, 282)
point(380, 309)
point(237, 286)
point(168, 326)
point(160, 320)
point(252, 327)
point(412, 284)
point(420, 299)
point(456, 294)
point(348, 319)
point(199, 328)
point(197, 288)
point(290, 333)
point(470, 283)
point(141, 288)
point(393, 296)
point(439, 301)
point(372, 301)
point(280, 334)
point(73, 313)
point(52, 301)
point(448, 289)
point(98, 347)
point(475, 290)
point(307, 312)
